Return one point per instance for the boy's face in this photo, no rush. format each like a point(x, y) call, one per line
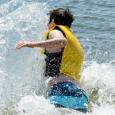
point(51, 24)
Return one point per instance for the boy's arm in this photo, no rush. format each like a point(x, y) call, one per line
point(55, 40)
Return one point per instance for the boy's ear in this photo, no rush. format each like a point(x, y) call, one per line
point(53, 22)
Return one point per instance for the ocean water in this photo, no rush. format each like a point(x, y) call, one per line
point(22, 87)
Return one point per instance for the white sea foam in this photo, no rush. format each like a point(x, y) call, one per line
point(21, 71)
point(35, 105)
point(99, 75)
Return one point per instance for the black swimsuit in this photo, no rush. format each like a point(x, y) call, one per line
point(53, 61)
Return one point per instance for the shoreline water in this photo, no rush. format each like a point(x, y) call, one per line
point(21, 72)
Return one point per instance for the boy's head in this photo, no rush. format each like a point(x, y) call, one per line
point(61, 17)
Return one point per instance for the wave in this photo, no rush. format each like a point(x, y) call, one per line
point(21, 72)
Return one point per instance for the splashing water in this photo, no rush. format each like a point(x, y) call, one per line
point(20, 71)
point(100, 82)
point(22, 88)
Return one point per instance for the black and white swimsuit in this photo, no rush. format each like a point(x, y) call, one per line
point(53, 61)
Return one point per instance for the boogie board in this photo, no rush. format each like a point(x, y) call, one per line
point(68, 95)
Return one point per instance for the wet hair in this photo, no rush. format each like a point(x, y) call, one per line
point(61, 16)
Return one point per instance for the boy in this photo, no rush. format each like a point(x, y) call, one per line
point(64, 57)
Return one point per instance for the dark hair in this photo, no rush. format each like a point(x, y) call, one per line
point(61, 16)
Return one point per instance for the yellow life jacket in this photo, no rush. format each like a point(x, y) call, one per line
point(72, 57)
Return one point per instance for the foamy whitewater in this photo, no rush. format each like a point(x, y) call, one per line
point(22, 87)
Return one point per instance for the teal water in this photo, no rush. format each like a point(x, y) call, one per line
point(94, 26)
point(21, 71)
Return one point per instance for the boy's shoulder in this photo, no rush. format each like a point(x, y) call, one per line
point(55, 32)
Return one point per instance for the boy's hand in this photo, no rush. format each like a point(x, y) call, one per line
point(21, 44)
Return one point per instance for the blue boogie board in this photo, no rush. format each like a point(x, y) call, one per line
point(68, 95)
